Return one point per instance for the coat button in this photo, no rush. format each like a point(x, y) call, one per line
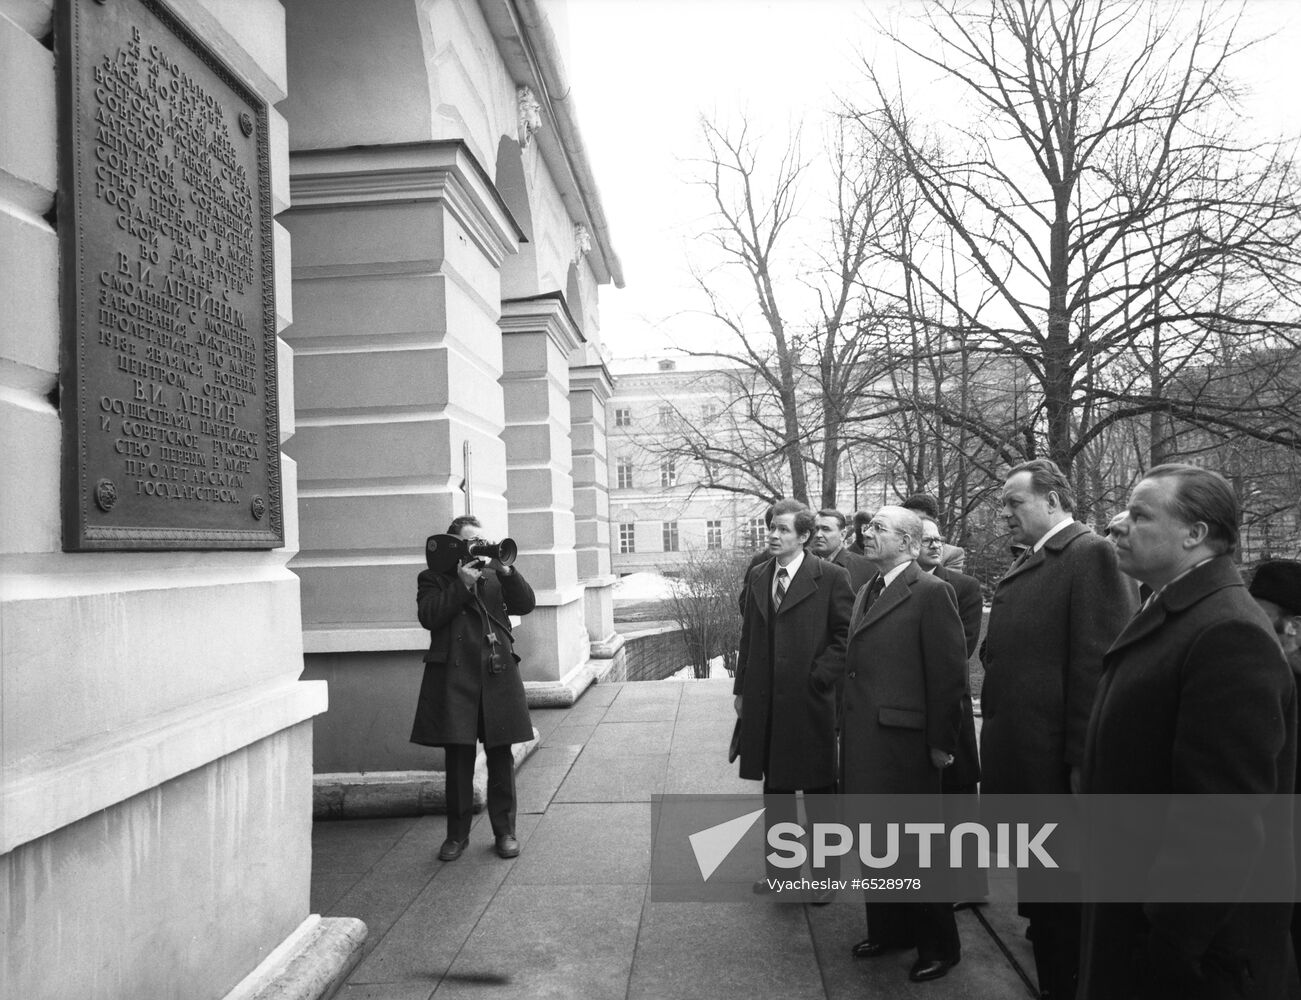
point(852, 674)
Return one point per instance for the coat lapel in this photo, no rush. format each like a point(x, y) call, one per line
point(1182, 594)
point(899, 590)
point(1058, 542)
point(804, 583)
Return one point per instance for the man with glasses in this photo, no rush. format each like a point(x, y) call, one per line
point(952, 556)
point(1052, 619)
point(904, 675)
point(963, 777)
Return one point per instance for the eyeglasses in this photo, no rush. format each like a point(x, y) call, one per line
point(936, 540)
point(877, 528)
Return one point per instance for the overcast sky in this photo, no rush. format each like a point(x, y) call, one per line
point(644, 71)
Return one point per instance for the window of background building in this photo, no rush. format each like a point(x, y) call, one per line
point(670, 536)
point(713, 534)
point(622, 416)
point(666, 416)
point(627, 538)
point(668, 472)
point(758, 532)
point(710, 412)
point(623, 474)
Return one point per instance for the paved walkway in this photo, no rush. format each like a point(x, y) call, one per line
point(572, 916)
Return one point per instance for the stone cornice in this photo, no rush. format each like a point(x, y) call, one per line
point(542, 312)
point(592, 378)
point(444, 171)
point(528, 47)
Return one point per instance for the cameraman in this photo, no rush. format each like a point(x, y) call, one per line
point(472, 689)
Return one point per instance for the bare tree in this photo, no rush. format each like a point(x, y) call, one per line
point(796, 383)
point(1117, 225)
point(703, 603)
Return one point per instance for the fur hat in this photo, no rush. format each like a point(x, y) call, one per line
point(1279, 581)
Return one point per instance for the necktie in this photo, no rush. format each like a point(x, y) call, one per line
point(780, 592)
point(873, 592)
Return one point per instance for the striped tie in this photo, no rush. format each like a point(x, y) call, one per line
point(781, 588)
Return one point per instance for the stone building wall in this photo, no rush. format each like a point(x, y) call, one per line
point(155, 736)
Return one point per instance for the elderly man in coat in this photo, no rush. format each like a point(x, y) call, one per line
point(792, 653)
point(1051, 620)
point(1195, 698)
point(472, 690)
point(905, 674)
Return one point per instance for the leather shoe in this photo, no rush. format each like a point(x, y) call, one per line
point(451, 849)
point(969, 904)
point(822, 897)
point(924, 970)
point(507, 846)
point(867, 948)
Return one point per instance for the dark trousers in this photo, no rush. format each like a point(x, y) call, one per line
point(460, 790)
point(780, 807)
point(1055, 934)
point(930, 927)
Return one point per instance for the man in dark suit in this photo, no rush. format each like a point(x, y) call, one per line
point(828, 543)
point(952, 557)
point(960, 781)
point(472, 690)
point(1052, 618)
point(904, 677)
point(791, 656)
point(859, 522)
point(1195, 697)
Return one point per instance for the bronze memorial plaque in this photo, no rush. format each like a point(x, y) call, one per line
point(168, 377)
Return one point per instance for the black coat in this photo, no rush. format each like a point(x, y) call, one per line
point(786, 673)
point(904, 675)
point(965, 771)
point(457, 678)
point(1195, 697)
point(860, 570)
point(1050, 622)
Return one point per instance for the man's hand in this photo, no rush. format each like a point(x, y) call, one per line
point(469, 572)
point(940, 759)
point(736, 703)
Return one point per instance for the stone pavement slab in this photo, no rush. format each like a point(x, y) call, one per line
point(725, 950)
point(572, 916)
point(428, 935)
point(569, 942)
point(614, 779)
point(588, 844)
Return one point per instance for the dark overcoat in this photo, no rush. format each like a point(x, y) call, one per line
point(858, 567)
point(904, 673)
point(786, 673)
point(457, 679)
point(965, 771)
point(1195, 697)
point(1051, 620)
